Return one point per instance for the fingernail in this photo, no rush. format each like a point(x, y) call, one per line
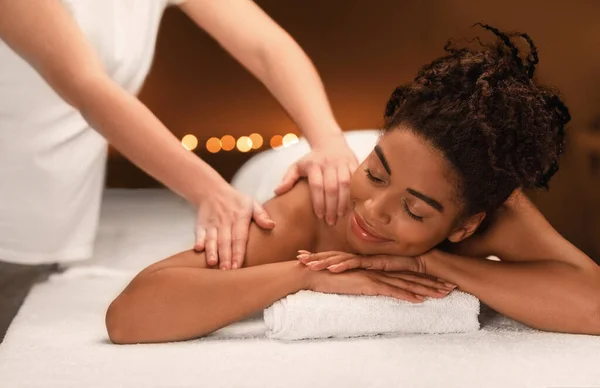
point(312, 263)
point(450, 285)
point(302, 256)
point(420, 297)
point(330, 221)
point(333, 266)
point(234, 266)
point(319, 215)
point(302, 251)
point(443, 291)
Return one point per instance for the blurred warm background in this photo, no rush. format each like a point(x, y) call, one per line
point(363, 49)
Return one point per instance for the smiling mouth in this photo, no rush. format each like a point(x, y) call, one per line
point(363, 231)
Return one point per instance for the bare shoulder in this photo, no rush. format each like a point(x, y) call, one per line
point(519, 232)
point(296, 228)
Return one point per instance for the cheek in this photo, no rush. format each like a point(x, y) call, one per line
point(414, 238)
point(359, 187)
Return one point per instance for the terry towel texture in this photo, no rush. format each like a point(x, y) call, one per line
point(309, 314)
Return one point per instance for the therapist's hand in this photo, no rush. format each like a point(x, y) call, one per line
point(329, 169)
point(222, 225)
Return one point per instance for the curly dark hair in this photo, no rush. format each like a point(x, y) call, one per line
point(498, 128)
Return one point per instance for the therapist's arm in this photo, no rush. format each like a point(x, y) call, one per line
point(45, 35)
point(272, 56)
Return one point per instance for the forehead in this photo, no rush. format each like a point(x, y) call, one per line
point(415, 163)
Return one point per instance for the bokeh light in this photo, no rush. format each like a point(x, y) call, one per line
point(227, 142)
point(257, 141)
point(289, 139)
point(189, 142)
point(276, 141)
point(244, 144)
point(213, 145)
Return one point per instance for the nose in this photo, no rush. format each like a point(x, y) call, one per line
point(375, 210)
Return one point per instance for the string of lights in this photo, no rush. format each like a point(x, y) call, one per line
point(242, 144)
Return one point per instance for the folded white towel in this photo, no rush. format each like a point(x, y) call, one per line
point(309, 314)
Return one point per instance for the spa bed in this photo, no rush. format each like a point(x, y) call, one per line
point(58, 338)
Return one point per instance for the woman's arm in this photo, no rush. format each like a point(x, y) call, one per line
point(548, 295)
point(181, 297)
point(542, 280)
point(183, 301)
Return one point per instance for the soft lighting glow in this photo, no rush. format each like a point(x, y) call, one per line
point(227, 142)
point(289, 139)
point(213, 145)
point(189, 142)
point(257, 141)
point(244, 144)
point(276, 141)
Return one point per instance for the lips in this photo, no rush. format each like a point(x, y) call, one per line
point(363, 231)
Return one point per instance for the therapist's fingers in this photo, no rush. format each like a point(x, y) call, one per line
point(210, 246)
point(200, 237)
point(261, 217)
point(239, 238)
point(343, 176)
point(330, 183)
point(291, 177)
point(224, 246)
point(315, 181)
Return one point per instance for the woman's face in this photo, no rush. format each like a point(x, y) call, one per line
point(403, 197)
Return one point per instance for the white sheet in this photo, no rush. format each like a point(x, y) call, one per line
point(58, 338)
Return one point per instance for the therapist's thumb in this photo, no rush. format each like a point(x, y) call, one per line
point(261, 217)
point(288, 181)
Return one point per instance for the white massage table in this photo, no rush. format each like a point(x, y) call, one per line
point(58, 338)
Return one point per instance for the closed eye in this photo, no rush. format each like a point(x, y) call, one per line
point(372, 177)
point(411, 214)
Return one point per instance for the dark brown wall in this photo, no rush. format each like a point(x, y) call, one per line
point(363, 49)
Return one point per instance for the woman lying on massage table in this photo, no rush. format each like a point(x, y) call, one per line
point(439, 193)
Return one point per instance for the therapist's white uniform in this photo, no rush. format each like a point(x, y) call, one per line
point(51, 162)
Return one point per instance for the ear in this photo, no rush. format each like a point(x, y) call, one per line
point(466, 228)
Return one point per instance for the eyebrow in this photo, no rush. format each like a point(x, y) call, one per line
point(430, 201)
point(382, 158)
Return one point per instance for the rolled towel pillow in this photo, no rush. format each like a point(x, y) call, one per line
point(308, 315)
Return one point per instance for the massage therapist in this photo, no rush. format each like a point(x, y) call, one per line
point(70, 72)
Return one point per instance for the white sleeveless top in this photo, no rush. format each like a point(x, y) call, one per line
point(51, 162)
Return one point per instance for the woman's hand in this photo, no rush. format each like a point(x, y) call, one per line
point(413, 268)
point(329, 171)
point(399, 285)
point(335, 261)
point(222, 226)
